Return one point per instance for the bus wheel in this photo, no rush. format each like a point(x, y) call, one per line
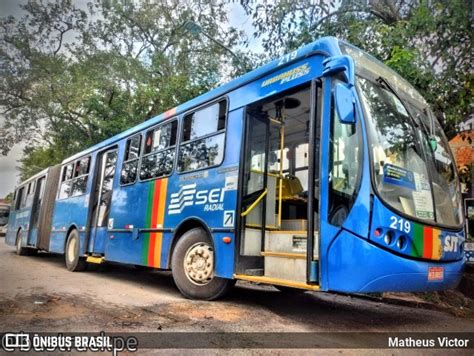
point(192, 265)
point(20, 251)
point(74, 262)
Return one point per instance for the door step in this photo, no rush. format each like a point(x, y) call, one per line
point(96, 260)
point(277, 281)
point(254, 272)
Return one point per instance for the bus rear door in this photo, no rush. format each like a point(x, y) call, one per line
point(102, 200)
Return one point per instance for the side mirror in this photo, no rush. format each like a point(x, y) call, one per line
point(336, 64)
point(344, 101)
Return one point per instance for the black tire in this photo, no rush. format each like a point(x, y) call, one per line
point(20, 251)
point(212, 287)
point(74, 262)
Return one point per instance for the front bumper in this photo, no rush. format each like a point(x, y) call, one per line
point(354, 265)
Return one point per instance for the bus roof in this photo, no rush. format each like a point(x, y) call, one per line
point(326, 45)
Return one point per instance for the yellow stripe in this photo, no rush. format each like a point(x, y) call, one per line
point(277, 281)
point(437, 251)
point(93, 259)
point(160, 219)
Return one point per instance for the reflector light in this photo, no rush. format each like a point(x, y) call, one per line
point(226, 239)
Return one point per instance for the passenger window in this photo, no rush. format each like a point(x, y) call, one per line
point(67, 172)
point(129, 171)
point(74, 178)
point(82, 167)
point(28, 201)
point(19, 198)
point(160, 151)
point(203, 136)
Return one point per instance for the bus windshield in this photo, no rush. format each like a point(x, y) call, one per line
point(413, 167)
point(4, 213)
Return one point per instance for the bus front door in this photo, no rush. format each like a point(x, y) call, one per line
point(102, 200)
point(280, 195)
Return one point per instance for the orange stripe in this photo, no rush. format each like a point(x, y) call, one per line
point(427, 242)
point(160, 219)
point(437, 252)
point(151, 249)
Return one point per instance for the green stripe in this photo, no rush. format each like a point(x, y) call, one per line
point(418, 236)
point(149, 209)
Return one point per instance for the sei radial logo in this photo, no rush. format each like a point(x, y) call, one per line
point(188, 195)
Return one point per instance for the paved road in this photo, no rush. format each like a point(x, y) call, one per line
point(38, 293)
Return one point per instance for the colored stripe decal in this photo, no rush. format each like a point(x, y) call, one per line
point(437, 250)
point(155, 219)
point(427, 242)
point(417, 241)
point(146, 237)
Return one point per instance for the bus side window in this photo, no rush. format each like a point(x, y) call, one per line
point(158, 158)
point(19, 198)
point(66, 183)
point(27, 202)
point(202, 140)
point(81, 173)
point(128, 175)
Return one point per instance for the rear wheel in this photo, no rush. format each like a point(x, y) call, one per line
point(193, 267)
point(20, 251)
point(74, 262)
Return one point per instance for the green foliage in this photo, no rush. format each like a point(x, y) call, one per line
point(428, 43)
point(72, 77)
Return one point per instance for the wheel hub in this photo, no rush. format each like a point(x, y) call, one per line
point(199, 263)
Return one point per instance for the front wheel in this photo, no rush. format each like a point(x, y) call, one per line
point(20, 251)
point(193, 267)
point(74, 262)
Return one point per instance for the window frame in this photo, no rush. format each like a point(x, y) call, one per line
point(359, 131)
point(73, 178)
point(142, 155)
point(138, 159)
point(30, 194)
point(19, 198)
point(223, 131)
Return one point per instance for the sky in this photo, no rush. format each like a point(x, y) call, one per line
point(9, 174)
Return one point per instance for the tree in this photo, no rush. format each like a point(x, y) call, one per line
point(427, 42)
point(72, 77)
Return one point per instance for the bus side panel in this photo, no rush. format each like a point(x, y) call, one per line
point(33, 236)
point(67, 213)
point(130, 212)
point(20, 219)
point(210, 196)
point(12, 229)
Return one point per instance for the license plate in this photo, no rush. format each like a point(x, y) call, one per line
point(469, 246)
point(435, 273)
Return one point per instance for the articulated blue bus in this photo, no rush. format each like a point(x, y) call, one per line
point(322, 170)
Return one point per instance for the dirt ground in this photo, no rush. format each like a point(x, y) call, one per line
point(37, 293)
